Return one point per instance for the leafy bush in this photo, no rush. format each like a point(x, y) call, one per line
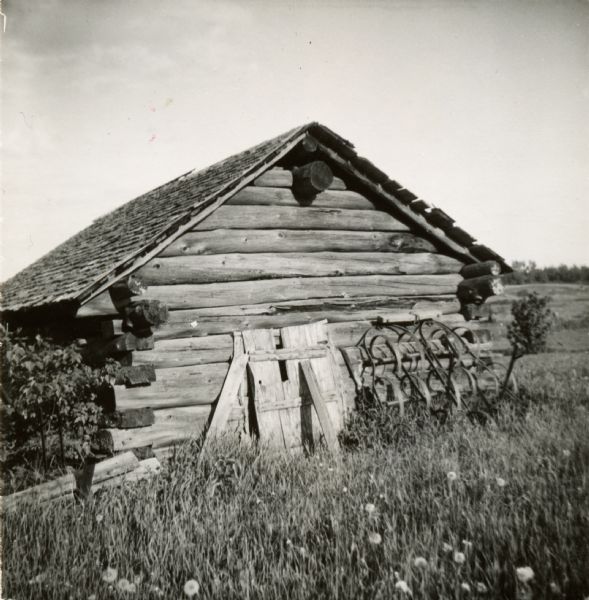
point(528, 331)
point(49, 400)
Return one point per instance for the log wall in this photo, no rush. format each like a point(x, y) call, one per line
point(268, 259)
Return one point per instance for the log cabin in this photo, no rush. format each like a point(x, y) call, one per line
point(297, 230)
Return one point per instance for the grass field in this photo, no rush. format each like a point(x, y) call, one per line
point(448, 511)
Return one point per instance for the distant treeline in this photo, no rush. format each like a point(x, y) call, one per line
point(529, 272)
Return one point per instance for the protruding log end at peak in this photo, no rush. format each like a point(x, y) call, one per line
point(311, 179)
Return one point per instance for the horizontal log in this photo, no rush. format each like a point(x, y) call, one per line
point(205, 325)
point(62, 487)
point(223, 241)
point(113, 467)
point(244, 267)
point(489, 267)
point(259, 196)
point(274, 290)
point(476, 290)
point(282, 178)
point(128, 419)
point(287, 217)
point(172, 426)
point(176, 387)
point(146, 469)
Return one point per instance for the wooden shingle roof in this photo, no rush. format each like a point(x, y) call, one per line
point(105, 250)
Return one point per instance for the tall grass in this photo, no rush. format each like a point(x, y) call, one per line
point(248, 524)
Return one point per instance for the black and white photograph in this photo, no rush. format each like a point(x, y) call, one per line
point(294, 299)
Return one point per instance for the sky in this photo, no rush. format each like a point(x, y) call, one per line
point(480, 107)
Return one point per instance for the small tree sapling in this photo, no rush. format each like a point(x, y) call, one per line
point(528, 331)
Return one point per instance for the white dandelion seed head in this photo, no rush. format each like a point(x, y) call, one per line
point(467, 545)
point(566, 453)
point(123, 584)
point(480, 587)
point(465, 587)
point(420, 562)
point(447, 547)
point(403, 587)
point(99, 518)
point(374, 538)
point(500, 482)
point(288, 542)
point(524, 574)
point(92, 597)
point(369, 508)
point(345, 490)
point(459, 558)
point(191, 588)
point(109, 575)
point(451, 475)
point(193, 324)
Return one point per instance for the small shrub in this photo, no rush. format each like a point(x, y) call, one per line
point(49, 399)
point(528, 331)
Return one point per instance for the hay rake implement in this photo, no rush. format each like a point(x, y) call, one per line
point(428, 362)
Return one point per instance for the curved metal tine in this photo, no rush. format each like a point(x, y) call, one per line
point(463, 393)
point(425, 393)
point(460, 331)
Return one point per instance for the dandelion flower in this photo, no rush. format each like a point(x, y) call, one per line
point(369, 508)
point(420, 562)
point(99, 518)
point(467, 545)
point(447, 548)
point(480, 587)
point(131, 588)
point(555, 588)
point(92, 597)
point(344, 490)
point(500, 482)
point(302, 551)
point(109, 575)
point(566, 453)
point(403, 587)
point(191, 588)
point(524, 574)
point(123, 584)
point(288, 543)
point(374, 537)
point(465, 587)
point(452, 476)
point(459, 558)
